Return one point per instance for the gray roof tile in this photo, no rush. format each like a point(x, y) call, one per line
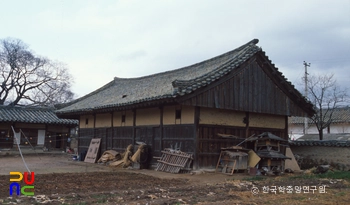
point(266, 136)
point(271, 154)
point(165, 85)
point(32, 115)
point(326, 143)
point(168, 85)
point(329, 140)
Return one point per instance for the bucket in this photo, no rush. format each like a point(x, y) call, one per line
point(252, 171)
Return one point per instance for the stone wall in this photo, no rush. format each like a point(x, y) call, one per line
point(311, 156)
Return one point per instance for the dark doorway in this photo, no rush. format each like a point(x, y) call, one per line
point(6, 141)
point(59, 139)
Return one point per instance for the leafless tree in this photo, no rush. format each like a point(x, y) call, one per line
point(26, 78)
point(327, 96)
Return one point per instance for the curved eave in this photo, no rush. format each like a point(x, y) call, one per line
point(39, 122)
point(122, 106)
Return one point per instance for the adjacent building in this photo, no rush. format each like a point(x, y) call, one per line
point(34, 126)
point(340, 123)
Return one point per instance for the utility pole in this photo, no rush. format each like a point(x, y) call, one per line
point(306, 95)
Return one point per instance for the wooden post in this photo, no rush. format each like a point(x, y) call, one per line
point(161, 128)
point(286, 128)
point(247, 125)
point(94, 125)
point(196, 137)
point(112, 131)
point(134, 126)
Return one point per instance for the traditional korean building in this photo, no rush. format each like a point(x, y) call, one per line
point(34, 126)
point(240, 93)
point(339, 119)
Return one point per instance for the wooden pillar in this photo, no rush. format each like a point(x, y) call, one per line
point(78, 136)
point(246, 121)
point(196, 138)
point(46, 130)
point(134, 126)
point(161, 127)
point(112, 131)
point(286, 128)
point(94, 126)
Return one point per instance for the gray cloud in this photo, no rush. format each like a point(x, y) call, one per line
point(136, 38)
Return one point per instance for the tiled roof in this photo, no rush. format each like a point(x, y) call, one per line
point(271, 154)
point(266, 136)
point(333, 140)
point(168, 85)
point(315, 137)
point(127, 91)
point(340, 115)
point(326, 143)
point(32, 115)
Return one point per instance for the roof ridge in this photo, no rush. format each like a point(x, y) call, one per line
point(254, 41)
point(118, 79)
point(28, 107)
point(243, 53)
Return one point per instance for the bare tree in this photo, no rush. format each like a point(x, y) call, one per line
point(326, 96)
point(26, 78)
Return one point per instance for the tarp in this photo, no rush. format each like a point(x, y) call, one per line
point(291, 164)
point(253, 159)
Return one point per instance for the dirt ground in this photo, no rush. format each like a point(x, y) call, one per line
point(60, 180)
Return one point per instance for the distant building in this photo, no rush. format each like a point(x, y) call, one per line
point(340, 124)
point(34, 126)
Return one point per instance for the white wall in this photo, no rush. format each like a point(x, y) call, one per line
point(296, 130)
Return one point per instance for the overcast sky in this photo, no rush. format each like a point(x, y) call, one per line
point(100, 40)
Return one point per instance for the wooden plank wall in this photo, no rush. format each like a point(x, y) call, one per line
point(176, 134)
point(247, 89)
point(210, 144)
point(151, 136)
point(119, 138)
point(85, 136)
